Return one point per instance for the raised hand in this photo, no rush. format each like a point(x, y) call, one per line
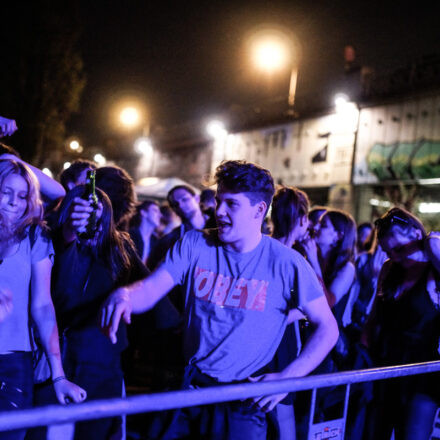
point(7, 126)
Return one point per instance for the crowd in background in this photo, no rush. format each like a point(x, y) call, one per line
point(381, 281)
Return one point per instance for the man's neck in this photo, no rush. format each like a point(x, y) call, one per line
point(197, 221)
point(146, 229)
point(244, 245)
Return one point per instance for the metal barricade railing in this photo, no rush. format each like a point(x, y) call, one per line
point(57, 414)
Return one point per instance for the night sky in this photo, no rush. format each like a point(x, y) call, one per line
point(188, 60)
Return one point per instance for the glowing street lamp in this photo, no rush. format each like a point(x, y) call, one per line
point(129, 117)
point(216, 129)
point(270, 55)
point(74, 145)
point(99, 159)
point(143, 146)
point(340, 100)
point(347, 109)
point(272, 51)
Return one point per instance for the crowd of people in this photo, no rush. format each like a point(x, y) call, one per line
point(243, 284)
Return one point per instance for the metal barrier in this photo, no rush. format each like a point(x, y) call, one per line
point(56, 414)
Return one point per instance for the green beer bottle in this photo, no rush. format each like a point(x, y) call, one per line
point(90, 195)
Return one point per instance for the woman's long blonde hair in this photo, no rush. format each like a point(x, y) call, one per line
point(34, 206)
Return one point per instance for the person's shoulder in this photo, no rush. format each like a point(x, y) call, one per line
point(173, 233)
point(362, 258)
point(208, 236)
point(280, 249)
point(38, 231)
point(347, 271)
point(170, 238)
point(202, 238)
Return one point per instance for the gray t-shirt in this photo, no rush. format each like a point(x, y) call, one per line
point(236, 304)
point(15, 275)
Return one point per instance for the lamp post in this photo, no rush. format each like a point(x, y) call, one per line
point(217, 131)
point(133, 149)
point(272, 51)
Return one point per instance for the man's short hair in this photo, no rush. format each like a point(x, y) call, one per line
point(177, 187)
point(141, 206)
point(72, 173)
point(207, 195)
point(239, 176)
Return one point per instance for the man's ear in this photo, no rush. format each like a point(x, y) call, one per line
point(261, 209)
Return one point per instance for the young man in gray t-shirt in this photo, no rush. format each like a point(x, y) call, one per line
point(239, 287)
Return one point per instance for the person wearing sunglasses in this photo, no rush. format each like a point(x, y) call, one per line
point(404, 326)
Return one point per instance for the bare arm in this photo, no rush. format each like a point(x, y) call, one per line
point(49, 187)
point(311, 249)
point(321, 341)
point(43, 313)
point(341, 283)
point(7, 126)
point(295, 315)
point(432, 247)
point(369, 332)
point(317, 347)
point(135, 298)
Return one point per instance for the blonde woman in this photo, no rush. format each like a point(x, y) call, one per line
point(25, 272)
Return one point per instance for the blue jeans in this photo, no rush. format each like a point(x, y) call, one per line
point(221, 421)
point(16, 384)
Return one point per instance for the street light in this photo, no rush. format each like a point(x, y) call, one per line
point(145, 149)
point(216, 129)
point(270, 54)
point(143, 146)
point(129, 117)
point(272, 51)
point(74, 145)
point(346, 110)
point(99, 159)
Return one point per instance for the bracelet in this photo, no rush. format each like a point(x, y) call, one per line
point(58, 379)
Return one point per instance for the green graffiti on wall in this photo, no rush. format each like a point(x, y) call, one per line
point(405, 160)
